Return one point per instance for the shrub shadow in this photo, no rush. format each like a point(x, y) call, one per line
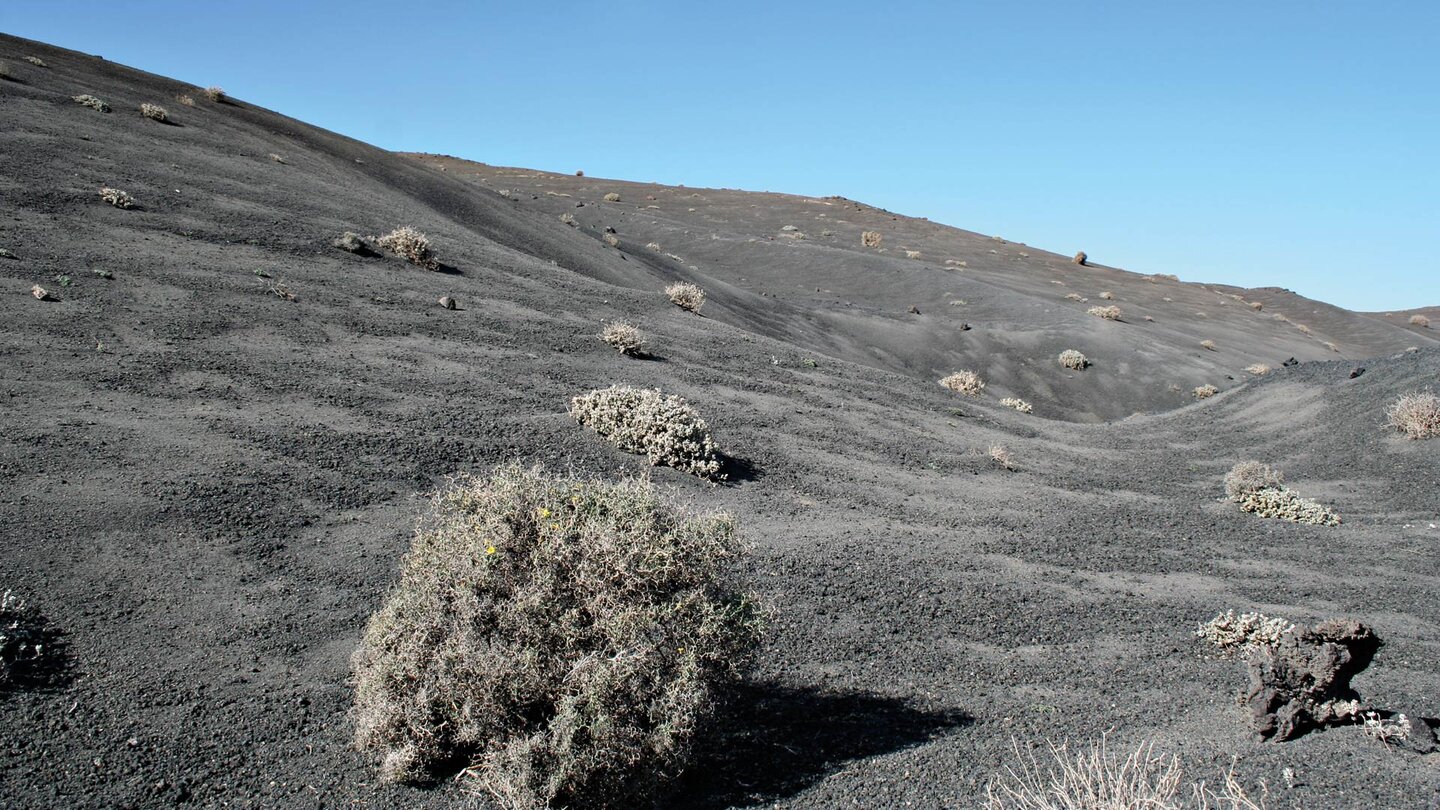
point(774, 741)
point(50, 671)
point(447, 269)
point(736, 470)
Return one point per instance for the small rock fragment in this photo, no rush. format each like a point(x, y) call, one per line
point(448, 302)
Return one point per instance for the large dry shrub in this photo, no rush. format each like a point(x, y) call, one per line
point(665, 429)
point(1110, 313)
point(1419, 320)
point(409, 244)
point(964, 382)
point(1417, 415)
point(154, 112)
point(685, 295)
point(870, 239)
point(1250, 476)
point(564, 638)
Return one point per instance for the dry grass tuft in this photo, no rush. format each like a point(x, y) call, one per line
point(1075, 297)
point(1205, 391)
point(1244, 632)
point(1018, 404)
point(1073, 360)
point(1096, 779)
point(409, 244)
point(116, 197)
point(1417, 415)
point(154, 112)
point(1256, 305)
point(1110, 313)
point(612, 197)
point(1420, 320)
point(1000, 455)
point(214, 93)
point(624, 338)
point(964, 382)
point(1107, 295)
point(36, 61)
point(1080, 258)
point(566, 638)
point(1258, 369)
point(685, 295)
point(870, 239)
point(912, 254)
point(87, 100)
point(186, 100)
point(1208, 344)
point(1248, 477)
point(665, 429)
point(351, 242)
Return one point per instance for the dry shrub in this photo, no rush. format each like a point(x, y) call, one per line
point(1108, 296)
point(1260, 489)
point(214, 93)
point(1256, 305)
point(1331, 346)
point(964, 382)
point(1244, 632)
point(1205, 391)
point(1000, 455)
point(655, 246)
point(1018, 404)
point(1096, 779)
point(568, 219)
point(1167, 276)
point(625, 338)
point(870, 239)
point(1417, 415)
point(116, 197)
point(186, 100)
point(665, 429)
point(1075, 297)
point(1073, 359)
point(36, 61)
point(1258, 369)
point(1388, 730)
point(1110, 313)
point(1080, 258)
point(1251, 476)
point(1207, 344)
point(685, 295)
point(277, 158)
point(912, 254)
point(92, 102)
point(410, 245)
point(5, 74)
point(154, 112)
point(564, 637)
point(611, 239)
point(1419, 320)
point(612, 197)
point(1150, 318)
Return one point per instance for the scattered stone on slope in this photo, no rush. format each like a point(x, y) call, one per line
point(1303, 682)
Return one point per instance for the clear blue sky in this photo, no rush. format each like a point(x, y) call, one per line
point(1270, 143)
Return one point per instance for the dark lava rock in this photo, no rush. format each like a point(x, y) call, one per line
point(1356, 372)
point(914, 310)
point(1303, 683)
point(1291, 362)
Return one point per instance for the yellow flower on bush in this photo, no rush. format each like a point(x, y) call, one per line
point(490, 549)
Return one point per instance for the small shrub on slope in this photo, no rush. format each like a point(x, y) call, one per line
point(215, 94)
point(116, 197)
point(92, 102)
point(1260, 489)
point(964, 382)
point(154, 112)
point(409, 244)
point(1416, 415)
point(1073, 360)
point(870, 239)
point(1110, 313)
point(1419, 320)
point(687, 296)
point(664, 429)
point(1205, 391)
point(1258, 369)
point(1018, 404)
point(565, 638)
point(625, 338)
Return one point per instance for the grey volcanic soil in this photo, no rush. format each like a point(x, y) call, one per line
point(206, 488)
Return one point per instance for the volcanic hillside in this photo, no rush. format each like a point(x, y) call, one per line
point(216, 435)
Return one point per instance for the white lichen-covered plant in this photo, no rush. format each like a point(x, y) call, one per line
point(1110, 313)
point(1073, 360)
point(624, 338)
point(964, 382)
point(1204, 391)
point(154, 112)
point(87, 100)
point(563, 638)
point(116, 197)
point(409, 244)
point(663, 428)
point(1018, 404)
point(1260, 489)
point(685, 295)
point(1244, 632)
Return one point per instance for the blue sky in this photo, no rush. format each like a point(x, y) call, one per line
point(1266, 143)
